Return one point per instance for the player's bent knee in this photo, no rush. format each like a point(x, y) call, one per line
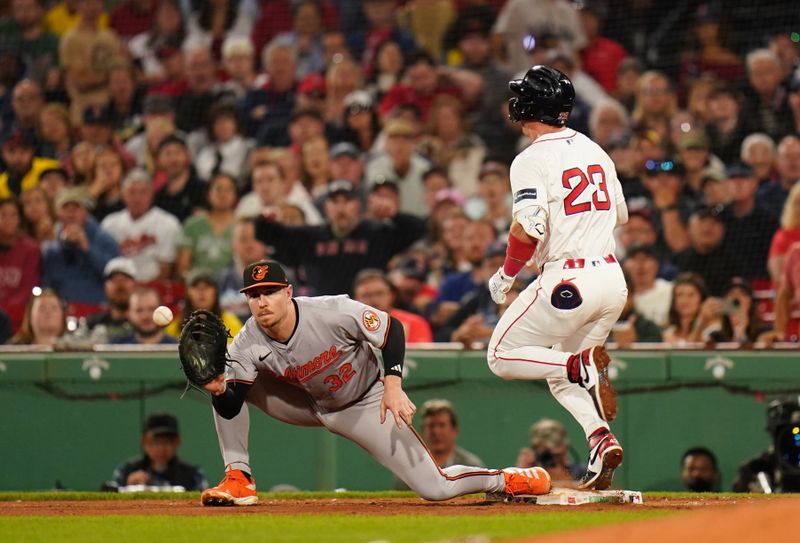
point(499, 368)
point(438, 494)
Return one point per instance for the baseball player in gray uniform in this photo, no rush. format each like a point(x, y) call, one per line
point(309, 361)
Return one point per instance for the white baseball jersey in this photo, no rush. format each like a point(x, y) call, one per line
point(575, 183)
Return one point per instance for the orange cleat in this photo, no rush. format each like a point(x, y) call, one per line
point(529, 481)
point(237, 488)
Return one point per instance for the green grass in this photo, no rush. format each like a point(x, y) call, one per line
point(302, 528)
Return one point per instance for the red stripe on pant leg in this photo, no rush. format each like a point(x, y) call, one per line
point(535, 297)
point(442, 473)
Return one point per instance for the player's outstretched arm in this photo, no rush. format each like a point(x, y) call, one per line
point(394, 398)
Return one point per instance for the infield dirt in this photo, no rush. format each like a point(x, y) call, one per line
point(723, 505)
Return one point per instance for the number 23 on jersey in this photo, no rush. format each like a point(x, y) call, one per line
point(579, 199)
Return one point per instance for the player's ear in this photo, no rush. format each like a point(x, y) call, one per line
point(289, 291)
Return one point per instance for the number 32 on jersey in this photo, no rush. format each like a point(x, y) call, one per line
point(579, 200)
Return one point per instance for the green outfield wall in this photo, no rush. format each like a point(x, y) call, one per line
point(69, 418)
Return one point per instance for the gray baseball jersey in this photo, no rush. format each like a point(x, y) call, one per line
point(328, 354)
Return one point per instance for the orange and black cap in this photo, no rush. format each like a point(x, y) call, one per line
point(264, 273)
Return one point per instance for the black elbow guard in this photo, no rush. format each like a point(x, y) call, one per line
point(394, 350)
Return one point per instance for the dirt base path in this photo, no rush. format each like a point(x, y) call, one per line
point(367, 506)
point(759, 520)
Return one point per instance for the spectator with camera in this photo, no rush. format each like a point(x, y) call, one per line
point(549, 448)
point(738, 315)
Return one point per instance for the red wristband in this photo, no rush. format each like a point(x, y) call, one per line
point(517, 254)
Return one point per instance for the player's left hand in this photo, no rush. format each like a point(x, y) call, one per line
point(395, 400)
point(499, 284)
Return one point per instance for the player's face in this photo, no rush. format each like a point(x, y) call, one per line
point(269, 305)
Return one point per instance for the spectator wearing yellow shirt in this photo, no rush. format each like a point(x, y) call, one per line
point(64, 16)
point(21, 168)
point(202, 293)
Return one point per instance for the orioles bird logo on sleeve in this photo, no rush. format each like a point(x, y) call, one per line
point(371, 320)
point(259, 272)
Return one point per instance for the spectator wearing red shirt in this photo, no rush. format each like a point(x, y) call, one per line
point(420, 86)
point(133, 17)
point(787, 235)
point(786, 297)
point(374, 289)
point(20, 263)
point(601, 57)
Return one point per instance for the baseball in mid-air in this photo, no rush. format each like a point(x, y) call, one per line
point(162, 315)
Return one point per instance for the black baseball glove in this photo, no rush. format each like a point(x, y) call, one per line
point(203, 347)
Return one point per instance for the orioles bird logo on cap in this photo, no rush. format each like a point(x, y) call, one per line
point(259, 272)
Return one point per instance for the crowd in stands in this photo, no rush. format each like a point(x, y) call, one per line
point(151, 149)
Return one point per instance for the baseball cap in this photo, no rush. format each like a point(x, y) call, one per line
point(74, 195)
point(413, 268)
point(642, 212)
point(549, 433)
point(313, 84)
point(155, 104)
point(345, 148)
point(200, 274)
point(358, 99)
point(341, 186)
point(449, 195)
point(495, 248)
point(300, 113)
point(385, 183)
point(161, 424)
point(20, 138)
point(694, 140)
point(712, 212)
point(264, 273)
point(400, 127)
point(169, 140)
point(739, 169)
point(740, 283)
point(120, 264)
point(97, 114)
point(641, 248)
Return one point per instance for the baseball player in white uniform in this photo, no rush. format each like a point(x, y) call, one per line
point(310, 362)
point(567, 202)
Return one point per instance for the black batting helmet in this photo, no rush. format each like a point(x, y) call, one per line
point(544, 94)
